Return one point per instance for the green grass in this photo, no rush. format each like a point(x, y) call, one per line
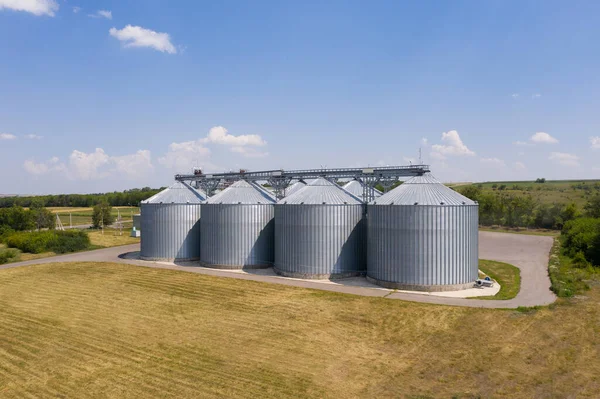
point(88, 330)
point(550, 192)
point(568, 280)
point(508, 276)
point(521, 230)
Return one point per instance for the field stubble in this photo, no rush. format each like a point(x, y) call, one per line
point(110, 330)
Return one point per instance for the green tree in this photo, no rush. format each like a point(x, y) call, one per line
point(592, 208)
point(17, 218)
point(42, 217)
point(471, 192)
point(570, 212)
point(102, 215)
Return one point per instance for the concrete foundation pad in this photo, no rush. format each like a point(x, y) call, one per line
point(233, 267)
point(175, 260)
point(306, 276)
point(356, 281)
point(416, 287)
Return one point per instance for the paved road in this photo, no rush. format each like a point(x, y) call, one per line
point(528, 253)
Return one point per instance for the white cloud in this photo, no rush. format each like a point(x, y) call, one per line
point(101, 14)
point(35, 168)
point(564, 158)
point(84, 166)
point(33, 137)
point(76, 9)
point(536, 95)
point(133, 165)
point(520, 166)
point(424, 142)
point(136, 36)
point(521, 143)
point(7, 136)
point(35, 7)
point(219, 135)
point(95, 165)
point(183, 156)
point(515, 95)
point(493, 162)
point(53, 165)
point(542, 137)
point(595, 142)
point(453, 145)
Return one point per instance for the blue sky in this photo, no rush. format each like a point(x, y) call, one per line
point(94, 101)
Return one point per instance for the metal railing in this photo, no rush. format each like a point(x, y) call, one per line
point(279, 179)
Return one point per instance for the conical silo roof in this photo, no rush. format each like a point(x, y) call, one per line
point(242, 192)
point(423, 190)
point(355, 188)
point(177, 193)
point(321, 191)
point(294, 188)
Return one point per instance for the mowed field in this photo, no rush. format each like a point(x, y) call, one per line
point(114, 331)
point(83, 216)
point(550, 192)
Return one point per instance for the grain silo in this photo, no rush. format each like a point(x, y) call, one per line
point(320, 233)
point(170, 222)
point(358, 189)
point(294, 187)
point(423, 236)
point(237, 225)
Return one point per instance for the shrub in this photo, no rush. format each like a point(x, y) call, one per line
point(580, 261)
point(5, 231)
point(582, 236)
point(71, 241)
point(7, 255)
point(44, 241)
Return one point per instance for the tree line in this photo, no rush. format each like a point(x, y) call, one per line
point(126, 198)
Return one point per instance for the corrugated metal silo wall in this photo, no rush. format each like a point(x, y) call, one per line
point(170, 231)
point(423, 245)
point(237, 235)
point(317, 241)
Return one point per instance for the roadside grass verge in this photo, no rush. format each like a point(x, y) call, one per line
point(568, 280)
point(508, 276)
point(84, 330)
point(520, 230)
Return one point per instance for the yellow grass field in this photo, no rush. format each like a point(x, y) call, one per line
point(99, 330)
point(111, 238)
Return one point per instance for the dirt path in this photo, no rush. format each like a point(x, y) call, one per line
point(528, 253)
